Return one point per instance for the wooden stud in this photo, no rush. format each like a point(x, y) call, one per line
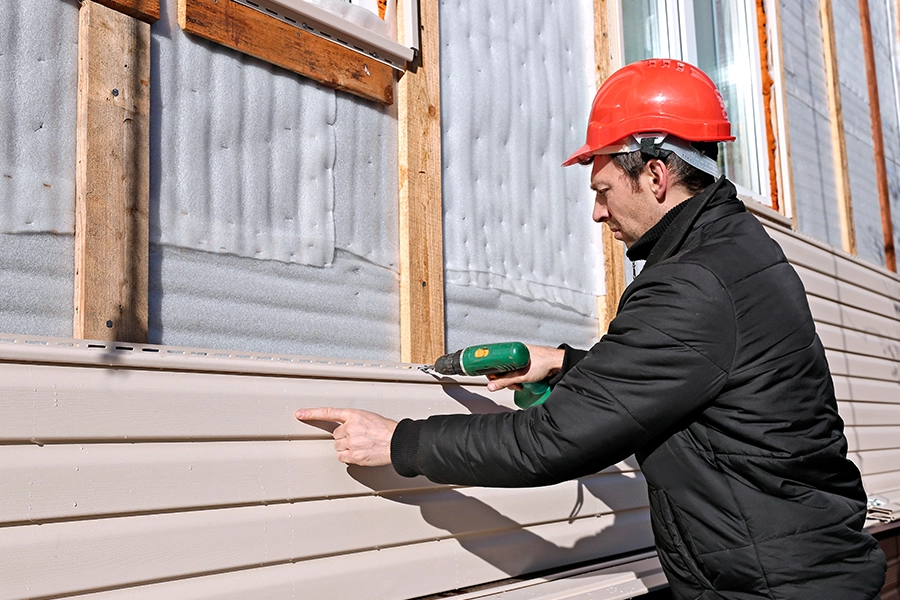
point(249, 31)
point(762, 32)
point(884, 194)
point(421, 230)
point(613, 253)
point(838, 141)
point(782, 158)
point(145, 10)
point(112, 175)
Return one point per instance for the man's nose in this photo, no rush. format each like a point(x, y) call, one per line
point(600, 213)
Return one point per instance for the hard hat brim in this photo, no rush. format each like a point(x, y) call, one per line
point(579, 155)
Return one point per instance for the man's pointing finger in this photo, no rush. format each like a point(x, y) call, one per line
point(335, 415)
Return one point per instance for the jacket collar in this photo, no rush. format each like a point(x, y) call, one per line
point(666, 237)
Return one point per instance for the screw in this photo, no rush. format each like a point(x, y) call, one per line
point(109, 324)
point(115, 92)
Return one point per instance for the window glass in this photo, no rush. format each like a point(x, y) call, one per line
point(646, 31)
point(719, 37)
point(722, 39)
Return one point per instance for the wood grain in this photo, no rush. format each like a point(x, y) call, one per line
point(838, 139)
point(881, 176)
point(112, 175)
point(613, 252)
point(249, 31)
point(145, 10)
point(421, 209)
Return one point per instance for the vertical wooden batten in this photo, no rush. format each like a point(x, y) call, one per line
point(112, 175)
point(768, 83)
point(421, 227)
point(613, 253)
point(838, 141)
point(884, 194)
point(782, 157)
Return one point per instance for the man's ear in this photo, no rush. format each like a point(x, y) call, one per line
point(658, 178)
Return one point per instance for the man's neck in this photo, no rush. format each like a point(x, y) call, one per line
point(640, 249)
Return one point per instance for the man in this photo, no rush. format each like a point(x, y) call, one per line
point(711, 374)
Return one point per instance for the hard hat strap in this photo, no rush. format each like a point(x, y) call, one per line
point(653, 145)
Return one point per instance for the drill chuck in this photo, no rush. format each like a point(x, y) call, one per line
point(449, 364)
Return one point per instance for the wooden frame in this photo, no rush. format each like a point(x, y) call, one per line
point(112, 177)
point(884, 194)
point(767, 83)
point(782, 152)
point(838, 140)
point(421, 211)
point(145, 10)
point(613, 253)
point(249, 31)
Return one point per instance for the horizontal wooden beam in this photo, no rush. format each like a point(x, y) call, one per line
point(249, 31)
point(145, 10)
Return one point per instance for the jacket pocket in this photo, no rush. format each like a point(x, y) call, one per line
point(674, 542)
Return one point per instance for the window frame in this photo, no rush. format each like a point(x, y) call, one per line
point(292, 43)
point(682, 45)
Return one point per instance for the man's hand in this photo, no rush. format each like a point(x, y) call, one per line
point(545, 362)
point(362, 438)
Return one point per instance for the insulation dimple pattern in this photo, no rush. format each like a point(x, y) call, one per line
point(245, 162)
point(273, 207)
point(511, 114)
point(521, 253)
point(38, 84)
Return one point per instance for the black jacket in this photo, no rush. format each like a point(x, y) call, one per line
point(713, 376)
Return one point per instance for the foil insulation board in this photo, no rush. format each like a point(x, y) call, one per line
point(274, 203)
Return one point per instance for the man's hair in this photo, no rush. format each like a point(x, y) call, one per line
point(691, 178)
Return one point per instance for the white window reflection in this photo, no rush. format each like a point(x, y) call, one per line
point(720, 37)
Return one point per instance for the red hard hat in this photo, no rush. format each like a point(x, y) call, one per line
point(658, 95)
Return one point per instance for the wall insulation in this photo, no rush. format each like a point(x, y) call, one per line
point(38, 82)
point(858, 132)
point(809, 122)
point(273, 207)
point(886, 39)
point(522, 256)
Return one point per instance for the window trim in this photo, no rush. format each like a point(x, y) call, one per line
point(262, 36)
point(682, 45)
point(318, 21)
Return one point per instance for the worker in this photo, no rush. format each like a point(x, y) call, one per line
point(711, 374)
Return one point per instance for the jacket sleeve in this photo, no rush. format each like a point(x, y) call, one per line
point(666, 357)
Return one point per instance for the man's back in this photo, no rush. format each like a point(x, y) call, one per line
point(753, 496)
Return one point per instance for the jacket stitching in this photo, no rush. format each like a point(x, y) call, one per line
point(753, 541)
point(676, 260)
point(685, 344)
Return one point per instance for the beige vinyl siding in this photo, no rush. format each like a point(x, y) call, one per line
point(136, 474)
point(857, 311)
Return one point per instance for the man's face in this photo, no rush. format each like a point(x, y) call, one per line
point(629, 213)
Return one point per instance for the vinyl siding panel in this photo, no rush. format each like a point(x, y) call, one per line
point(141, 471)
point(857, 312)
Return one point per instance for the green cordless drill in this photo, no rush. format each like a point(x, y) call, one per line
point(489, 359)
